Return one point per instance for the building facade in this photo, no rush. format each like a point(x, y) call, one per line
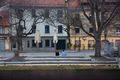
point(43, 12)
point(84, 42)
point(5, 43)
point(45, 15)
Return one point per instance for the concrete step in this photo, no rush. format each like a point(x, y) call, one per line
point(57, 59)
point(36, 60)
point(60, 62)
point(34, 56)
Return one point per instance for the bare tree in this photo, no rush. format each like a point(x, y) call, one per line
point(62, 16)
point(99, 14)
point(19, 17)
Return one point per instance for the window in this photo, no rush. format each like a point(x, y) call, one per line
point(76, 19)
point(47, 29)
point(1, 29)
point(59, 14)
point(33, 13)
point(52, 44)
point(118, 29)
point(90, 30)
point(14, 44)
point(77, 16)
point(28, 44)
point(77, 30)
point(33, 43)
point(90, 44)
point(77, 42)
point(40, 44)
point(47, 43)
point(33, 28)
point(59, 28)
point(47, 13)
point(1, 19)
point(19, 13)
point(117, 43)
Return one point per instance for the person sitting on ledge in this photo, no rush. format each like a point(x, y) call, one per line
point(62, 53)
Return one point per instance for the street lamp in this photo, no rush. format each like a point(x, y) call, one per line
point(84, 37)
point(37, 38)
point(55, 39)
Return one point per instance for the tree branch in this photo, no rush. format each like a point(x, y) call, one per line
point(113, 13)
point(84, 12)
point(81, 25)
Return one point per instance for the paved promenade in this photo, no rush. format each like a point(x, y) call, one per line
point(85, 53)
point(71, 57)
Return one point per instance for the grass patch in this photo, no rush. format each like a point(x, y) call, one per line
point(57, 67)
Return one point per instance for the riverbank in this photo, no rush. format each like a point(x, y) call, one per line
point(59, 67)
point(84, 74)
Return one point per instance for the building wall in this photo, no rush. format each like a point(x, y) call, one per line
point(5, 44)
point(84, 42)
point(28, 44)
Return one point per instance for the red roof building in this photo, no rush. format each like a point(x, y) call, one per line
point(4, 15)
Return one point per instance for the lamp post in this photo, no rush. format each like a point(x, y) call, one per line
point(37, 38)
point(55, 39)
point(84, 37)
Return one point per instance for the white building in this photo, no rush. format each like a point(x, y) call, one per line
point(46, 27)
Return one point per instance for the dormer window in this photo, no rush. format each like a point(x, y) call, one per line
point(118, 28)
point(19, 13)
point(90, 30)
point(59, 14)
point(47, 13)
point(33, 13)
point(77, 30)
point(60, 29)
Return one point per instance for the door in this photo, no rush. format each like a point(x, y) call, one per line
point(61, 45)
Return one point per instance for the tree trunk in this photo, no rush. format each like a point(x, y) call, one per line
point(16, 54)
point(98, 47)
point(19, 46)
point(69, 40)
point(19, 41)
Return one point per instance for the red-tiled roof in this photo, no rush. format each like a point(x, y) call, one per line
point(51, 3)
point(45, 3)
point(74, 3)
